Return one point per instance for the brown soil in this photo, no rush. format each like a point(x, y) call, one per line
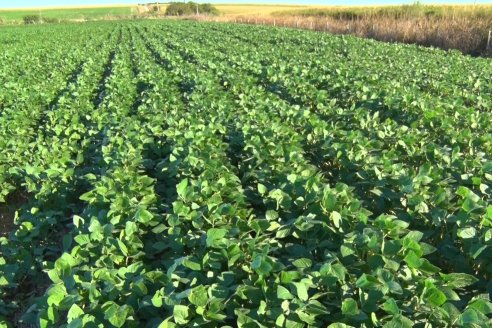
point(6, 220)
point(7, 211)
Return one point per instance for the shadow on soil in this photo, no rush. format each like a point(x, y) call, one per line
point(7, 210)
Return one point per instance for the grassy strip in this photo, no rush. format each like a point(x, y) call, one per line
point(395, 12)
point(76, 13)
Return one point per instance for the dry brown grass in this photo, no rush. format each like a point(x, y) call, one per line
point(393, 11)
point(465, 32)
point(461, 27)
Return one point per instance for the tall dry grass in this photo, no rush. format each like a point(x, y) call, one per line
point(464, 28)
point(398, 11)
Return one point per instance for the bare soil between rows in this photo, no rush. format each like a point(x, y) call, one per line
point(8, 209)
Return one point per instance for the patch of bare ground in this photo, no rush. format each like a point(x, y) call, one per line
point(7, 211)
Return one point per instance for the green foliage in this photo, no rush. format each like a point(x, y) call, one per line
point(179, 173)
point(37, 19)
point(190, 8)
point(32, 19)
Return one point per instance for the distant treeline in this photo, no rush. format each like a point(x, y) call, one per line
point(190, 8)
point(38, 19)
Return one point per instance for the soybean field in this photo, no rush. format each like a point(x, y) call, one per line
point(191, 174)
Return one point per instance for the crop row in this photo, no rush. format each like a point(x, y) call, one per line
point(181, 173)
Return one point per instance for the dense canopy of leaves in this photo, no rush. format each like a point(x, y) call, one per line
point(178, 174)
